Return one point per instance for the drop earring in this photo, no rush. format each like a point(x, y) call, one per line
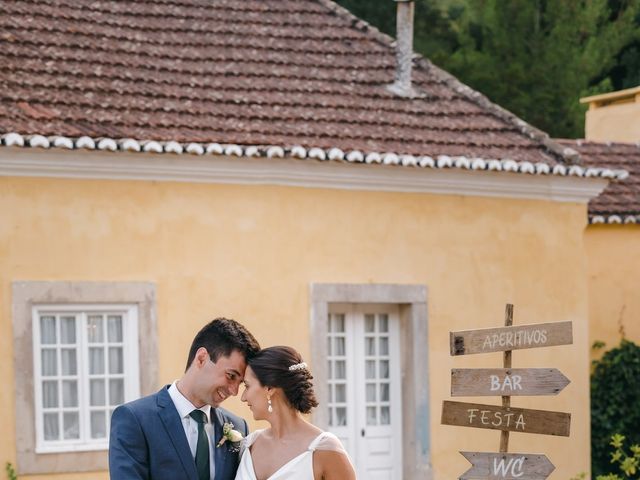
point(269, 406)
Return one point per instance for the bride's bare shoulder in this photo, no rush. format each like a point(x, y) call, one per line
point(332, 465)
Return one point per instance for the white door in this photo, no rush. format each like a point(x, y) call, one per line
point(365, 387)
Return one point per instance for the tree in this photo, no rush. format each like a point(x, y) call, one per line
point(535, 58)
point(615, 402)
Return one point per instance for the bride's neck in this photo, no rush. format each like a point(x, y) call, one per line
point(285, 422)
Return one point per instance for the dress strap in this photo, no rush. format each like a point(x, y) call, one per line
point(316, 441)
point(249, 440)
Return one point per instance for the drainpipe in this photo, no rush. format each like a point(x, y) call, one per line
point(404, 50)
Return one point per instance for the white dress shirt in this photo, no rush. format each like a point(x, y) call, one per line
point(185, 407)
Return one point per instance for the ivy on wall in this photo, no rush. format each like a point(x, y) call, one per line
point(615, 402)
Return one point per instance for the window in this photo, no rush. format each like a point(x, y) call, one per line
point(86, 364)
point(72, 340)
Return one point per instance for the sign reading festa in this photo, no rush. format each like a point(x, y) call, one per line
point(506, 382)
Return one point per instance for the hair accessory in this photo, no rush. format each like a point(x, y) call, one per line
point(298, 366)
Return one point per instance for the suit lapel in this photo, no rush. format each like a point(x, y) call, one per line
point(220, 453)
point(173, 424)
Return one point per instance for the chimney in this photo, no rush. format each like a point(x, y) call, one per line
point(404, 50)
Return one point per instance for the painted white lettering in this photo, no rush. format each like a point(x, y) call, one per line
point(500, 467)
point(517, 468)
point(487, 342)
point(507, 383)
point(508, 416)
point(483, 417)
point(543, 336)
point(528, 337)
point(520, 422)
point(510, 383)
point(498, 419)
point(516, 382)
point(472, 413)
point(510, 339)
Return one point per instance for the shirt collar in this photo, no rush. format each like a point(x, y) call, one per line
point(183, 405)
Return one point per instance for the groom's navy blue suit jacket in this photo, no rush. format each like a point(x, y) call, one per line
point(148, 442)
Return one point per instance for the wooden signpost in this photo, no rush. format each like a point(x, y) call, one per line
point(509, 419)
point(507, 466)
point(506, 382)
point(510, 338)
point(478, 382)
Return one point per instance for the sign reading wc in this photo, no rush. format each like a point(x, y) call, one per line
point(507, 466)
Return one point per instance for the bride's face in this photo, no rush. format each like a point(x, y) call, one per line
point(255, 395)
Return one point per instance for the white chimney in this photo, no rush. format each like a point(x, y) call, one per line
point(404, 50)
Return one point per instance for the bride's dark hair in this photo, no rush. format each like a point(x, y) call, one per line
point(271, 366)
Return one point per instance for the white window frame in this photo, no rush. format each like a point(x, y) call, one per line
point(131, 364)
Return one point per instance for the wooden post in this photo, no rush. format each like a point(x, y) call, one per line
point(506, 400)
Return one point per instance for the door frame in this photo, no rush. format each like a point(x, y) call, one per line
point(414, 340)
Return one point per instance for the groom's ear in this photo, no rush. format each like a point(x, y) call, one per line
point(201, 357)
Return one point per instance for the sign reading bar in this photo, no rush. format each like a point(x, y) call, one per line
point(510, 338)
point(472, 382)
point(506, 418)
point(507, 466)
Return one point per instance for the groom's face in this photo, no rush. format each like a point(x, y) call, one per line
point(222, 379)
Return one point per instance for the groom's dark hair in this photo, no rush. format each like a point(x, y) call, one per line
point(221, 337)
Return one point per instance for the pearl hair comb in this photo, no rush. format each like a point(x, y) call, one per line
point(298, 366)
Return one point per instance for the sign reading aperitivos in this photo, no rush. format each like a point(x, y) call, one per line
point(501, 339)
point(510, 419)
point(475, 382)
point(507, 466)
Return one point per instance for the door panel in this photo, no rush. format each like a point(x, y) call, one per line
point(365, 387)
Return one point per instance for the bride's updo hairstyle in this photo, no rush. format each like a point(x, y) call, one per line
point(282, 367)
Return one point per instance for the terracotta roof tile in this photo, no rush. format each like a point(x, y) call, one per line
point(621, 198)
point(250, 72)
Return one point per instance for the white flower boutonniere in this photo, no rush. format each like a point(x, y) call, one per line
point(234, 436)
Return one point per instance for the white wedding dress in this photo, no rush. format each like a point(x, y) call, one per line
point(298, 468)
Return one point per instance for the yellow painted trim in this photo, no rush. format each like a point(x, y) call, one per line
point(618, 95)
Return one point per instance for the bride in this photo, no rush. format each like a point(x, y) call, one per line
point(278, 389)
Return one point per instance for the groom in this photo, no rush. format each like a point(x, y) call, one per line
point(173, 434)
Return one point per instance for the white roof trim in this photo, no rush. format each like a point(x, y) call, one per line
point(289, 171)
point(614, 219)
point(334, 154)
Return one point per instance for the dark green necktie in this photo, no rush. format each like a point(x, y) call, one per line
point(202, 448)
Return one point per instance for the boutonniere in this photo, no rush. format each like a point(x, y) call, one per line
point(234, 436)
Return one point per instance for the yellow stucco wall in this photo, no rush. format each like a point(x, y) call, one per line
point(613, 258)
point(250, 252)
point(614, 123)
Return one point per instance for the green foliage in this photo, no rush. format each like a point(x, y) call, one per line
point(11, 473)
point(629, 465)
point(536, 58)
point(615, 407)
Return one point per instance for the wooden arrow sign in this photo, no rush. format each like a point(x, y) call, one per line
point(473, 382)
point(510, 338)
point(507, 466)
point(509, 419)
